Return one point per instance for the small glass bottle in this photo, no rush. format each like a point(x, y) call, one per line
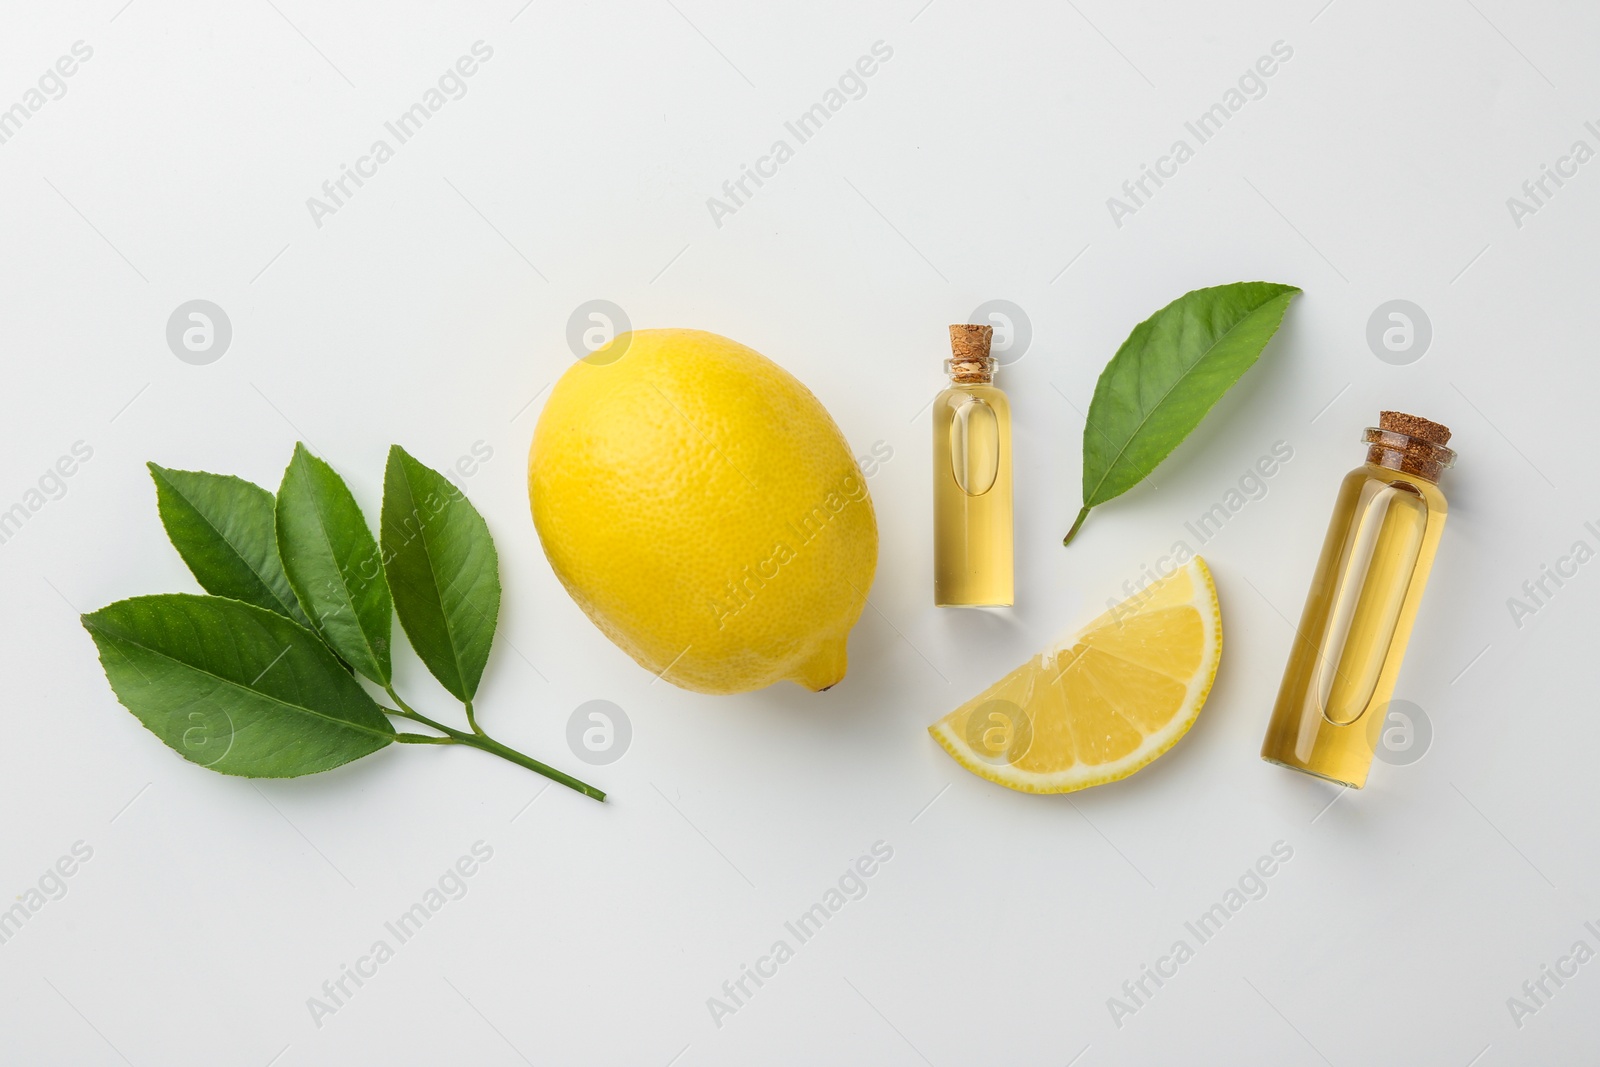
point(1364, 597)
point(971, 478)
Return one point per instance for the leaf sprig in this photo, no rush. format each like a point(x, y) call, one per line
point(260, 677)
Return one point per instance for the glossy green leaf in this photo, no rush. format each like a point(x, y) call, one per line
point(224, 529)
point(334, 565)
point(234, 687)
point(442, 569)
point(1170, 371)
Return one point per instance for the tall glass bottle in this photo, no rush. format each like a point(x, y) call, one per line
point(1364, 597)
point(971, 478)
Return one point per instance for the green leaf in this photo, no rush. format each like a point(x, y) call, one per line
point(334, 565)
point(443, 570)
point(223, 527)
point(234, 687)
point(1170, 371)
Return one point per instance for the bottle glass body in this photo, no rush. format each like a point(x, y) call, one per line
point(972, 501)
point(1352, 637)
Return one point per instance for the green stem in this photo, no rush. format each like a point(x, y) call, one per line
point(423, 739)
point(472, 720)
point(405, 709)
point(484, 742)
point(489, 744)
point(1084, 514)
point(408, 712)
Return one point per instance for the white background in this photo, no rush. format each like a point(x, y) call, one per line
point(431, 310)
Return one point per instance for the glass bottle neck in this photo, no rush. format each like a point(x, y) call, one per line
point(971, 371)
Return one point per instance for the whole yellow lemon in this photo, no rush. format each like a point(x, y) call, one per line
point(704, 510)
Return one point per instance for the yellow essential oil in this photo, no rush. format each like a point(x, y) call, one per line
point(1387, 519)
point(972, 565)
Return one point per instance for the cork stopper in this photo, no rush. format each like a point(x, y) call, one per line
point(1409, 444)
point(970, 360)
point(1414, 426)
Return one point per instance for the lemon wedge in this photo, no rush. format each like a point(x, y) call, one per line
point(1103, 703)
